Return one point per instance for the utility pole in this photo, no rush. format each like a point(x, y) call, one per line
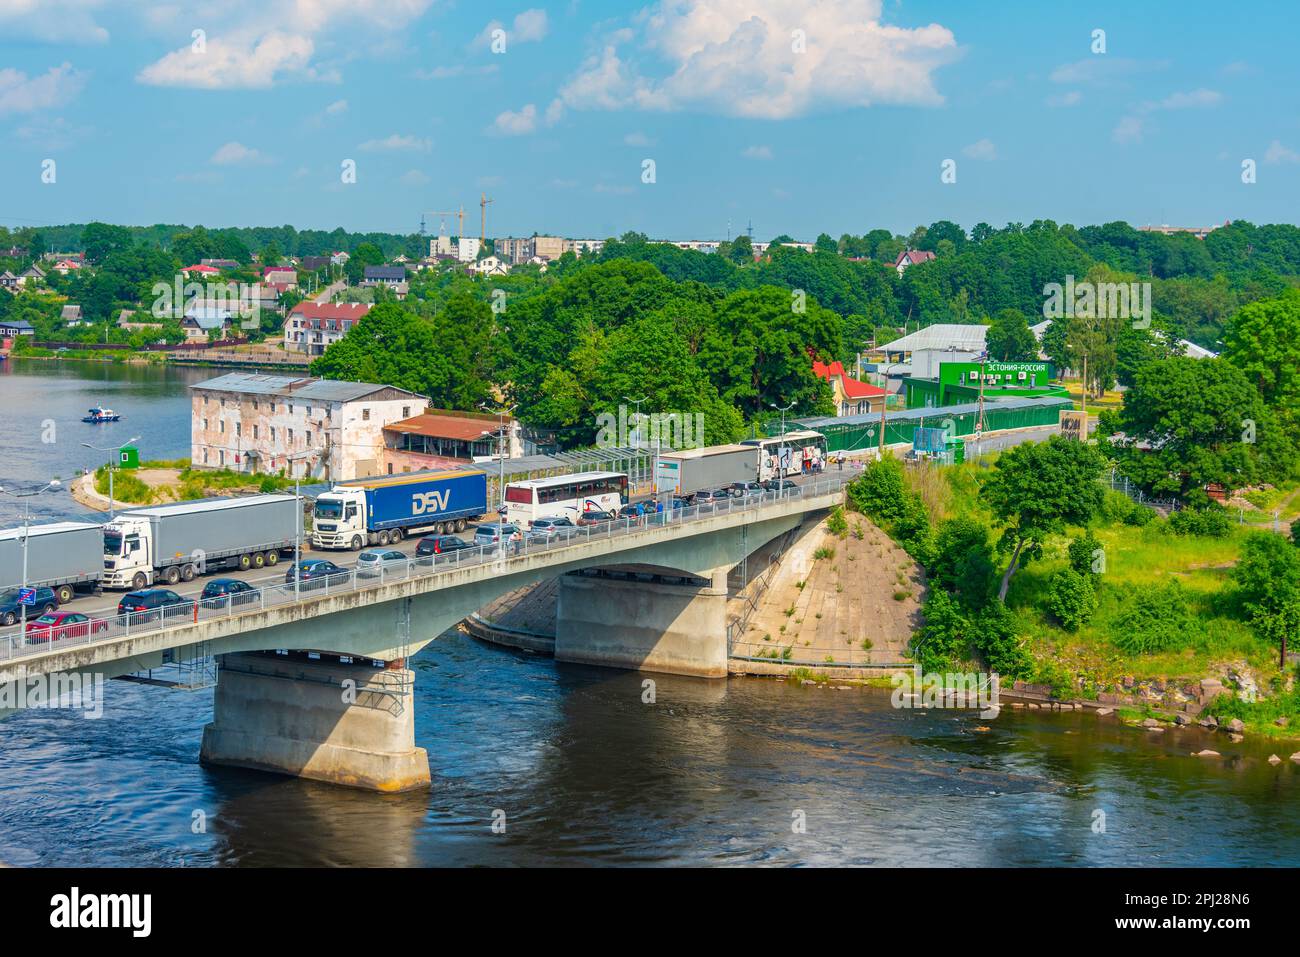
point(979, 427)
point(1084, 390)
point(654, 473)
point(502, 412)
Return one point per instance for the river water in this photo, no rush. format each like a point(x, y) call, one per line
point(746, 771)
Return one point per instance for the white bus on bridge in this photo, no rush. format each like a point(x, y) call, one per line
point(795, 453)
point(565, 496)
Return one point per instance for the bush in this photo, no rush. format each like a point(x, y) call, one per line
point(1157, 619)
point(1071, 598)
point(1139, 516)
point(881, 491)
point(1084, 553)
point(836, 523)
point(1212, 522)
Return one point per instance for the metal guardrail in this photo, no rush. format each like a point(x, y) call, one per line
point(14, 645)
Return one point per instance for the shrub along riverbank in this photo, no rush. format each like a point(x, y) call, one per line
point(1099, 595)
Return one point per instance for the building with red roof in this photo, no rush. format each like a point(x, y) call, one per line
point(312, 327)
point(852, 396)
point(910, 257)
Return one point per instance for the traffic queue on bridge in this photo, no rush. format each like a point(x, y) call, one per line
point(44, 567)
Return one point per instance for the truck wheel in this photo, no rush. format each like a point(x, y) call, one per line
point(395, 536)
point(259, 560)
point(357, 543)
point(139, 581)
point(383, 537)
point(64, 593)
point(460, 525)
point(244, 562)
point(187, 573)
point(273, 557)
point(172, 575)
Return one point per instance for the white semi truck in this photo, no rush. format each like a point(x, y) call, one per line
point(173, 543)
point(65, 556)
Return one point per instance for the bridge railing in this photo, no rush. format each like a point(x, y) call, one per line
point(41, 639)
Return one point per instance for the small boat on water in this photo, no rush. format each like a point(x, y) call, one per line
point(99, 414)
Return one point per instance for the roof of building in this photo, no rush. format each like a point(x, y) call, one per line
point(15, 324)
point(913, 256)
point(853, 388)
point(200, 267)
point(462, 427)
point(300, 387)
point(330, 310)
point(941, 335)
point(70, 312)
point(385, 272)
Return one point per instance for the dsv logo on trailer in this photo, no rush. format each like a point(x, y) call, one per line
point(422, 502)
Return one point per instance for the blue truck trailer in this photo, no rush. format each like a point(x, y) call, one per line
point(383, 510)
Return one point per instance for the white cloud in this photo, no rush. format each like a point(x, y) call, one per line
point(235, 153)
point(981, 150)
point(516, 123)
point(414, 177)
point(51, 133)
point(1072, 98)
point(254, 44)
point(1128, 130)
point(1189, 100)
point(338, 106)
point(757, 152)
point(233, 65)
point(1100, 70)
point(637, 139)
point(20, 93)
point(396, 143)
point(455, 70)
point(737, 57)
point(1277, 153)
point(52, 21)
point(528, 27)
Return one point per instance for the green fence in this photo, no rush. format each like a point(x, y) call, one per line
point(853, 433)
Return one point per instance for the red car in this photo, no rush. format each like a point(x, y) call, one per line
point(58, 625)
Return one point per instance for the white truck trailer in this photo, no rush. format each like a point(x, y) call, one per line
point(174, 543)
point(65, 556)
point(717, 466)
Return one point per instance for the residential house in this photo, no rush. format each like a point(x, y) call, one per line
point(851, 396)
point(488, 266)
point(8, 281)
point(394, 277)
point(312, 327)
point(13, 252)
point(219, 263)
point(203, 317)
point(200, 269)
point(15, 327)
point(315, 263)
point(34, 276)
point(339, 259)
point(306, 426)
point(70, 315)
point(910, 257)
point(438, 438)
point(280, 276)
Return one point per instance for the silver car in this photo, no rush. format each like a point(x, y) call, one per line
point(373, 561)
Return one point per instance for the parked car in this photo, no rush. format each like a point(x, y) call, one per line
point(440, 545)
point(741, 489)
point(11, 611)
point(150, 604)
point(596, 517)
point(372, 561)
point(490, 533)
point(58, 625)
point(314, 573)
point(227, 592)
point(778, 485)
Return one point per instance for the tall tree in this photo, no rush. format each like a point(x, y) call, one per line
point(1036, 490)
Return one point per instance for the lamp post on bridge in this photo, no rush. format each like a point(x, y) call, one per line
point(112, 465)
point(502, 411)
point(654, 471)
point(27, 521)
point(780, 458)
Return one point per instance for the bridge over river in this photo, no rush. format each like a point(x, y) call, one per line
point(314, 681)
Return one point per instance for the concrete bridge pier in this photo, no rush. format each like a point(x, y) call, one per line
point(646, 621)
point(327, 719)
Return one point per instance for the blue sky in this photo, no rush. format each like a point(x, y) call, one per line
point(845, 134)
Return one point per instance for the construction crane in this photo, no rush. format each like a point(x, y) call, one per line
point(442, 225)
point(483, 202)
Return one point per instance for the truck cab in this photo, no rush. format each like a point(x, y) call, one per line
point(339, 519)
point(128, 554)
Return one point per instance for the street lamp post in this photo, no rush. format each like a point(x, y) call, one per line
point(780, 459)
point(27, 521)
point(112, 465)
point(297, 521)
point(654, 472)
point(502, 412)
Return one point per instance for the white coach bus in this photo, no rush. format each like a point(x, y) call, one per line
point(565, 496)
point(795, 453)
